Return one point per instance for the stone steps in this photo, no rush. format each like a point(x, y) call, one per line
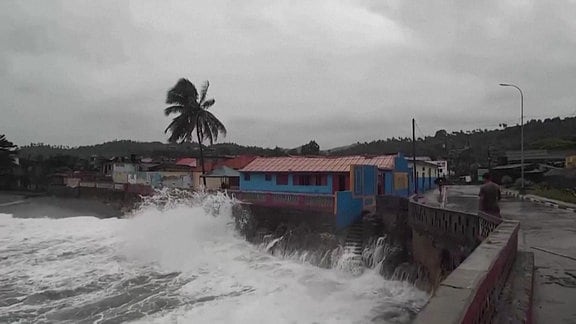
point(354, 239)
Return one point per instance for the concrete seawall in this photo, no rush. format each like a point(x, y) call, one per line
point(470, 294)
point(463, 259)
point(468, 256)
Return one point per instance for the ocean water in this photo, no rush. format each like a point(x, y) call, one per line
point(177, 261)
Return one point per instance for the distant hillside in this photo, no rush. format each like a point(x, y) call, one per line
point(149, 149)
point(110, 149)
point(550, 134)
point(462, 149)
point(336, 150)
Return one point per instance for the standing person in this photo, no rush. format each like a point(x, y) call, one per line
point(440, 183)
point(489, 196)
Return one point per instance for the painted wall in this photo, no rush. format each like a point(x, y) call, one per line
point(351, 204)
point(398, 180)
point(348, 209)
point(442, 167)
point(158, 179)
point(258, 182)
point(120, 172)
point(211, 183)
point(394, 187)
point(427, 174)
point(365, 180)
point(215, 183)
point(139, 178)
point(177, 181)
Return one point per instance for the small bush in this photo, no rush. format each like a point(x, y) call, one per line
point(527, 183)
point(566, 195)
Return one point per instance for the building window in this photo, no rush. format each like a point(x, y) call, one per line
point(320, 180)
point(302, 180)
point(311, 180)
point(282, 179)
point(246, 177)
point(268, 177)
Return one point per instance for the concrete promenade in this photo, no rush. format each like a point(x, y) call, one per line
point(548, 232)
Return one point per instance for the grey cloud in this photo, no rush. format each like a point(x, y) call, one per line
point(282, 72)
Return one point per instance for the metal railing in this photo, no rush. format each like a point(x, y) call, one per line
point(323, 203)
point(472, 291)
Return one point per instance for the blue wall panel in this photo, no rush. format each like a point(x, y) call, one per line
point(370, 180)
point(258, 182)
point(349, 209)
point(400, 164)
point(423, 185)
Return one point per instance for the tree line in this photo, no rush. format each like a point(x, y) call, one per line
point(194, 129)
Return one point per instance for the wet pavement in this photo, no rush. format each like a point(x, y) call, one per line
point(541, 228)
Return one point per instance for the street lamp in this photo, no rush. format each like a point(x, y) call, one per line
point(521, 131)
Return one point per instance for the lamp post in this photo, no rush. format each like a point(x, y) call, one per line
point(521, 132)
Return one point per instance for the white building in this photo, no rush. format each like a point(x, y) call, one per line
point(442, 167)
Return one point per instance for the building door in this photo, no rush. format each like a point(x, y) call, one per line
point(342, 182)
point(423, 179)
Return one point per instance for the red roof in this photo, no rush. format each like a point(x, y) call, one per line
point(317, 164)
point(238, 162)
point(208, 165)
point(191, 162)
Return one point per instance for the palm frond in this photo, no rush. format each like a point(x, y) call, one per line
point(208, 103)
point(183, 93)
point(211, 127)
point(170, 126)
point(178, 129)
point(216, 123)
point(207, 131)
point(193, 119)
point(174, 110)
point(204, 91)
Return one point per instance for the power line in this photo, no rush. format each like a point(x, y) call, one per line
point(418, 128)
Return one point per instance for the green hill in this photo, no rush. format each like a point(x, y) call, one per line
point(463, 148)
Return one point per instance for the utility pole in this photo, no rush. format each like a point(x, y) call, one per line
point(522, 190)
point(414, 156)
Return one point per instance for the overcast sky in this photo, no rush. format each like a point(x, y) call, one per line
point(282, 72)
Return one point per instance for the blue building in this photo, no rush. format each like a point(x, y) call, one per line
point(426, 172)
point(323, 175)
point(341, 187)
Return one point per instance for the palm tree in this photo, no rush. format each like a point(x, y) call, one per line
point(192, 109)
point(7, 152)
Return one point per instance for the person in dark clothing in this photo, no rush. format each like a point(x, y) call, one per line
point(489, 196)
point(440, 183)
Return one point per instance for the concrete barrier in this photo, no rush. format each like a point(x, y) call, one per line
point(471, 292)
point(540, 200)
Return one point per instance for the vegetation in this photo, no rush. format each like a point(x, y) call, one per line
point(7, 149)
point(312, 148)
point(465, 150)
point(192, 112)
point(7, 152)
point(566, 195)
